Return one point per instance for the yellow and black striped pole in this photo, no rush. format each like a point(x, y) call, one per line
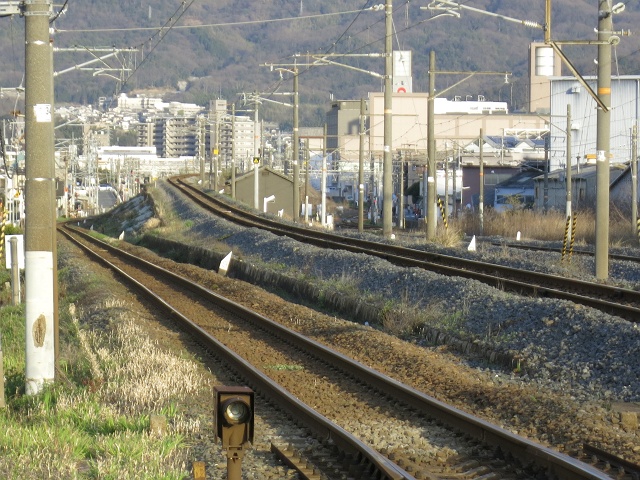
point(566, 237)
point(638, 228)
point(573, 235)
point(443, 213)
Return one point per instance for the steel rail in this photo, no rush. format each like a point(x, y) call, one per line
point(575, 251)
point(629, 468)
point(604, 297)
point(528, 452)
point(319, 425)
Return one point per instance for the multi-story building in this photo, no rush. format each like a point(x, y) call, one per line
point(229, 130)
point(171, 136)
point(457, 125)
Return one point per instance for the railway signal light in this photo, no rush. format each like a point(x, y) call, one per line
point(233, 416)
point(233, 424)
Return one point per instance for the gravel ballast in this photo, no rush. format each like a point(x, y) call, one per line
point(567, 352)
point(561, 345)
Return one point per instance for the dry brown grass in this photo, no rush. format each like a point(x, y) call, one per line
point(135, 376)
point(550, 226)
point(451, 236)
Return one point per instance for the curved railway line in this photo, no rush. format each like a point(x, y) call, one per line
point(342, 392)
point(618, 301)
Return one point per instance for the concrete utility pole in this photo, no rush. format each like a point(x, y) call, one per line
point(634, 178)
point(323, 187)
point(296, 147)
point(456, 165)
point(387, 164)
point(216, 158)
point(361, 167)
point(603, 139)
point(256, 155)
point(233, 151)
point(201, 148)
point(429, 180)
point(545, 189)
point(307, 168)
point(569, 209)
point(481, 174)
point(39, 199)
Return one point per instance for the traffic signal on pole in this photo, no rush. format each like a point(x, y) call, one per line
point(233, 416)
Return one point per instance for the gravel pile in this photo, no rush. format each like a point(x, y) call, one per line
point(563, 346)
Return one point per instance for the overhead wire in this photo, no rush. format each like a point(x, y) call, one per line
point(171, 23)
point(277, 84)
point(333, 44)
point(208, 25)
point(349, 26)
point(57, 15)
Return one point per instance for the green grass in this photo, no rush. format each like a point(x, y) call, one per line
point(281, 367)
point(93, 422)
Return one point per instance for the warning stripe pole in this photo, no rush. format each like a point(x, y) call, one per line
point(443, 213)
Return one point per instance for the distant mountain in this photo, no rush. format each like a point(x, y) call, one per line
point(207, 50)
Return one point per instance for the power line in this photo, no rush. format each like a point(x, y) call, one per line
point(162, 36)
point(224, 24)
point(60, 12)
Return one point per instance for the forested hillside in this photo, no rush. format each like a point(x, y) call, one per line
point(217, 48)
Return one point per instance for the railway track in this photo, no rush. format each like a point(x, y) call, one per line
point(575, 251)
point(617, 301)
point(418, 434)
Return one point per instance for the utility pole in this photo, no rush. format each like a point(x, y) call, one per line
point(456, 153)
point(387, 164)
point(446, 176)
point(361, 168)
point(233, 151)
point(429, 180)
point(323, 186)
point(634, 178)
point(217, 157)
point(603, 139)
point(481, 174)
point(569, 209)
point(545, 189)
point(400, 214)
point(40, 265)
point(307, 161)
point(296, 147)
point(201, 147)
point(256, 155)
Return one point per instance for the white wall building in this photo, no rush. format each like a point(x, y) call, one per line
point(143, 161)
point(625, 111)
